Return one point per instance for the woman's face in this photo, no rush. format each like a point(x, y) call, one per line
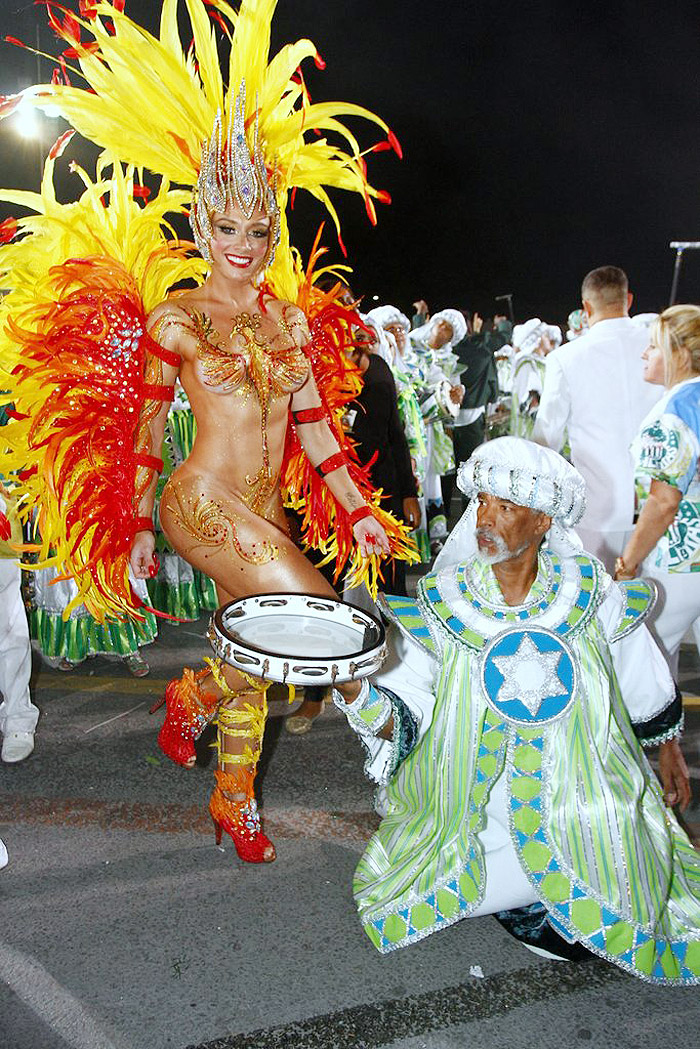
point(239, 245)
point(366, 341)
point(653, 358)
point(399, 333)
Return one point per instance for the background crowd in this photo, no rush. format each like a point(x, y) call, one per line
point(617, 394)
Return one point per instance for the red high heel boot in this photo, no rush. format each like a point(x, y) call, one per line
point(240, 819)
point(188, 711)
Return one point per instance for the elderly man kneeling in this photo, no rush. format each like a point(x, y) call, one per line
point(506, 729)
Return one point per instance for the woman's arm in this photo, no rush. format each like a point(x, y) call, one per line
point(325, 455)
point(163, 362)
point(658, 513)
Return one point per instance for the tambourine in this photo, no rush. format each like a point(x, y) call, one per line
point(297, 639)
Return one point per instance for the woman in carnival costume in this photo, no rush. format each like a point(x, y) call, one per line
point(239, 342)
point(395, 326)
point(66, 642)
point(532, 341)
point(435, 370)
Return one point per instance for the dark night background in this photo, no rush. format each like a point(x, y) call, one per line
point(540, 140)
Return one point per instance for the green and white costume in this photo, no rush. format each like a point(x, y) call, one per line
point(516, 774)
point(433, 372)
point(81, 636)
point(178, 589)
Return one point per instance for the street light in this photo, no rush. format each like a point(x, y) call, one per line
point(679, 246)
point(26, 121)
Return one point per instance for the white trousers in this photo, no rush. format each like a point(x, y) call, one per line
point(676, 610)
point(606, 546)
point(17, 712)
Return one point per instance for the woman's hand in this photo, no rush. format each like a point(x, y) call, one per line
point(371, 537)
point(143, 562)
point(673, 773)
point(623, 572)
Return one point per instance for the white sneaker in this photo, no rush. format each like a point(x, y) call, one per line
point(3, 854)
point(16, 746)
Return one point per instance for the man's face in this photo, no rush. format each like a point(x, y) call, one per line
point(366, 340)
point(505, 530)
point(399, 333)
point(441, 334)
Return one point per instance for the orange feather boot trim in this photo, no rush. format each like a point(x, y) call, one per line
point(240, 819)
point(188, 711)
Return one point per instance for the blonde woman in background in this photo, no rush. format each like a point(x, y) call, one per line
point(665, 543)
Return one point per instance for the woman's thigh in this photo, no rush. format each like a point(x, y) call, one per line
point(243, 553)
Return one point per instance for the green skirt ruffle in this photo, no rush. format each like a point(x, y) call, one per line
point(83, 636)
point(186, 600)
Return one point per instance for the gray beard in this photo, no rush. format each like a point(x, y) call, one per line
point(503, 553)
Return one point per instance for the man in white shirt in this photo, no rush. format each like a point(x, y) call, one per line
point(594, 390)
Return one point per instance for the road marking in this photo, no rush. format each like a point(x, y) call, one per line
point(54, 1004)
point(115, 718)
point(87, 683)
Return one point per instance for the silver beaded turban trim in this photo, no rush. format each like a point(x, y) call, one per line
point(527, 474)
point(230, 176)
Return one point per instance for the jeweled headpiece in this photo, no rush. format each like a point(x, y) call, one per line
point(231, 175)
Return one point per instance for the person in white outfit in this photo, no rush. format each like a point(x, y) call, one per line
point(18, 715)
point(594, 389)
point(665, 544)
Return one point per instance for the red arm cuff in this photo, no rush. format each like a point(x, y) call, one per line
point(158, 393)
point(160, 351)
point(143, 524)
point(333, 462)
point(151, 462)
point(359, 515)
point(309, 415)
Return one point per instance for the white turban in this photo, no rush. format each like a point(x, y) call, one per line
point(384, 347)
point(527, 336)
point(385, 315)
point(526, 474)
point(455, 320)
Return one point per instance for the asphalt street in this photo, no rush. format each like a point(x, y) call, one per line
point(123, 925)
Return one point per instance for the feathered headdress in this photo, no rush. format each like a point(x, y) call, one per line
point(153, 105)
point(81, 278)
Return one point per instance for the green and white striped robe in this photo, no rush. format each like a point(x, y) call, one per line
point(586, 827)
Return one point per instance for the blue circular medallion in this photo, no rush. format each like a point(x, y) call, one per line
point(528, 675)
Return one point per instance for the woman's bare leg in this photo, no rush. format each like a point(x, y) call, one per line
point(244, 555)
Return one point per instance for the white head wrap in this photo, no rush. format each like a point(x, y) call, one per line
point(506, 351)
point(385, 315)
point(526, 474)
point(527, 336)
point(455, 320)
point(384, 348)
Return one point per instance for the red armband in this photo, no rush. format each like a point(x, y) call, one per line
point(143, 524)
point(158, 393)
point(333, 462)
point(310, 415)
point(151, 462)
point(360, 514)
point(159, 351)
